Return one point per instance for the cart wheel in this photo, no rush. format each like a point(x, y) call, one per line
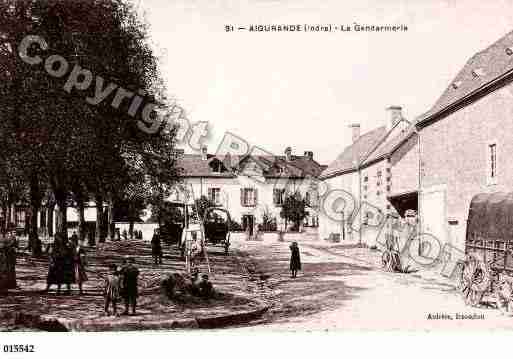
point(475, 280)
point(385, 259)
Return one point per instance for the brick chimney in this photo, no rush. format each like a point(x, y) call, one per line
point(288, 153)
point(204, 153)
point(355, 131)
point(309, 155)
point(396, 114)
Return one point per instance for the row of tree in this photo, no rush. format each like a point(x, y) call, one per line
point(56, 149)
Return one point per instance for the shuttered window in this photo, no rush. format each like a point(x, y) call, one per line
point(214, 195)
point(249, 197)
point(278, 196)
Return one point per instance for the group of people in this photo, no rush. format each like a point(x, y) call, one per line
point(122, 283)
point(67, 263)
point(136, 234)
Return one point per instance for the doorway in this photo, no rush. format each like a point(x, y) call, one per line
point(248, 221)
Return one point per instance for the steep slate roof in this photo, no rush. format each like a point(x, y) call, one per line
point(192, 165)
point(298, 166)
point(390, 145)
point(355, 152)
point(488, 65)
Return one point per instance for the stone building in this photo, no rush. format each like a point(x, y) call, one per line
point(255, 187)
point(378, 173)
point(465, 139)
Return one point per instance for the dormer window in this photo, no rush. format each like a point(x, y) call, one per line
point(217, 166)
point(509, 51)
point(456, 84)
point(478, 72)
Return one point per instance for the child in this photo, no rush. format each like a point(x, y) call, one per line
point(112, 287)
point(295, 259)
point(503, 294)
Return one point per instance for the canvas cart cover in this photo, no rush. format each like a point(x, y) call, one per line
point(491, 216)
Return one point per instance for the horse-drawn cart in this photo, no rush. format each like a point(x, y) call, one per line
point(488, 263)
point(217, 227)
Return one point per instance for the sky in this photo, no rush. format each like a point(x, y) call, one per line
point(304, 89)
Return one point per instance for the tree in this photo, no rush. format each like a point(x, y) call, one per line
point(294, 209)
point(268, 220)
point(202, 204)
point(54, 137)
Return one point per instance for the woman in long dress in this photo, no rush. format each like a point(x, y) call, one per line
point(80, 260)
point(295, 259)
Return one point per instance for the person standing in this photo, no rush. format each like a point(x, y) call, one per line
point(156, 247)
point(80, 260)
point(68, 265)
point(130, 274)
point(112, 289)
point(74, 238)
point(295, 259)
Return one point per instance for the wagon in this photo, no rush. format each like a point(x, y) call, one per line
point(488, 246)
point(172, 222)
point(217, 227)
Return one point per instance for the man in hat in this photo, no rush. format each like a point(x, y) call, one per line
point(129, 274)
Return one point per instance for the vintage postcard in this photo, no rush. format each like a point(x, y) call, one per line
point(255, 166)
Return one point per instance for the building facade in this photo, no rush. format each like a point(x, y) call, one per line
point(465, 140)
point(254, 189)
point(378, 172)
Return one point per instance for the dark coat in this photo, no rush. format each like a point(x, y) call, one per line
point(80, 264)
point(129, 275)
point(295, 259)
point(68, 264)
point(156, 245)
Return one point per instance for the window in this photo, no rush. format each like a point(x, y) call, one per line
point(378, 173)
point(214, 194)
point(278, 196)
point(365, 187)
point(366, 179)
point(509, 51)
point(378, 193)
point(478, 72)
point(492, 164)
point(388, 188)
point(248, 197)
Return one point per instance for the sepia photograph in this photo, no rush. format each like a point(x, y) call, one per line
point(256, 166)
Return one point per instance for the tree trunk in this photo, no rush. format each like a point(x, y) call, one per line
point(81, 221)
point(99, 218)
point(4, 219)
point(35, 204)
point(49, 219)
point(8, 216)
point(110, 220)
point(131, 229)
point(62, 207)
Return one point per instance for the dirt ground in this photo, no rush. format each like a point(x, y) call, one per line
point(342, 287)
point(235, 289)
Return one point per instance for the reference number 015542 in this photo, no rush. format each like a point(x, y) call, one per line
point(18, 348)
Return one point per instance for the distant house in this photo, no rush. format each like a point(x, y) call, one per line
point(379, 171)
point(254, 187)
point(465, 140)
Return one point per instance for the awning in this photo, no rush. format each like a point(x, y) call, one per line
point(404, 201)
